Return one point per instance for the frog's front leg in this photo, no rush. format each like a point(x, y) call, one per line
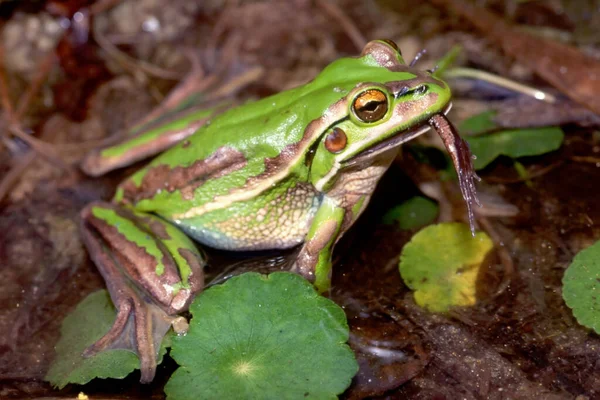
point(152, 271)
point(314, 260)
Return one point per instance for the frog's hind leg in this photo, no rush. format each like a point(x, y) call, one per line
point(152, 271)
point(139, 326)
point(183, 112)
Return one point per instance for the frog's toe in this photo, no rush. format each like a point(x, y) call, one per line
point(304, 271)
point(140, 327)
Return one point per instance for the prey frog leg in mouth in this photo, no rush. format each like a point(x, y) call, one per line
point(293, 169)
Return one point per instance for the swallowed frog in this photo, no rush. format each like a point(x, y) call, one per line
point(293, 169)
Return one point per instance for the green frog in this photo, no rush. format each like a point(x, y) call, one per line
point(293, 169)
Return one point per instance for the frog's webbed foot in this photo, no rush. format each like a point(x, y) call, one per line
point(152, 272)
point(139, 326)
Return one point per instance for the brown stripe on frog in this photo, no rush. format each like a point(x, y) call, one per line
point(135, 260)
point(312, 132)
point(223, 161)
point(196, 279)
point(193, 260)
point(157, 228)
point(276, 168)
point(418, 106)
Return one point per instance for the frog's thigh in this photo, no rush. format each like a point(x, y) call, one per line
point(314, 259)
point(151, 270)
point(152, 252)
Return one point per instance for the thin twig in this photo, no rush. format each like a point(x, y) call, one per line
point(346, 23)
point(4, 96)
point(35, 85)
point(210, 53)
point(500, 81)
point(129, 63)
point(530, 175)
point(194, 81)
point(505, 258)
point(585, 159)
point(230, 51)
point(239, 81)
point(11, 177)
point(46, 150)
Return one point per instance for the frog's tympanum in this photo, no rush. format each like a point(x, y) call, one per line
point(293, 169)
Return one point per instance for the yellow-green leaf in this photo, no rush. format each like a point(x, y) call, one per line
point(441, 264)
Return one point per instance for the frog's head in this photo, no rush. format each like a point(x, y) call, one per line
point(391, 104)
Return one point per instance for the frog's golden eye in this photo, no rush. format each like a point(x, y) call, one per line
point(370, 106)
point(336, 140)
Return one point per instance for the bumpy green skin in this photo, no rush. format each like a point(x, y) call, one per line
point(261, 176)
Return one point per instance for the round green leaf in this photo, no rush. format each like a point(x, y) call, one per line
point(581, 287)
point(413, 213)
point(90, 320)
point(263, 337)
point(478, 124)
point(514, 143)
point(441, 264)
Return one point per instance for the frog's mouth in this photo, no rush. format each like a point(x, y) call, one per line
point(457, 148)
point(397, 139)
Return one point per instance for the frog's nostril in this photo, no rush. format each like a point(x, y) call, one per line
point(402, 91)
point(421, 89)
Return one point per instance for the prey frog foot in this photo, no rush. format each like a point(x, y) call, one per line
point(152, 271)
point(461, 156)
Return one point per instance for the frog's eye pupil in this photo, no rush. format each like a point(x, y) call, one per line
point(370, 106)
point(336, 140)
